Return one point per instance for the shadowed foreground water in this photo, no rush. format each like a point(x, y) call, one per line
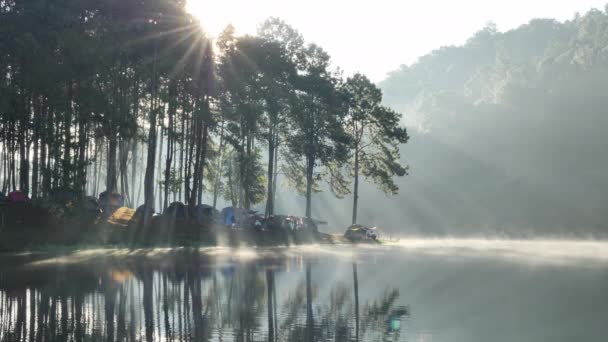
point(442, 290)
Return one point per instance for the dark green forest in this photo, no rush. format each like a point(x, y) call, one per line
point(131, 96)
point(508, 132)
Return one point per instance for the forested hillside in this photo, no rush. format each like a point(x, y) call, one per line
point(508, 131)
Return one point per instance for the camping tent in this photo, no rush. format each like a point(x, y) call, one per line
point(139, 213)
point(110, 200)
point(176, 211)
point(205, 214)
point(17, 197)
point(232, 216)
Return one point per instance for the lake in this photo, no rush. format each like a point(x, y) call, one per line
point(414, 290)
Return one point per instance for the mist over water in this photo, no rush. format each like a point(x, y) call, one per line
point(582, 253)
point(411, 290)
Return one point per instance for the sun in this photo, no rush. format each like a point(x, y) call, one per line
point(214, 16)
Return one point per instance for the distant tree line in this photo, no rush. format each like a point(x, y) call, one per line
point(133, 97)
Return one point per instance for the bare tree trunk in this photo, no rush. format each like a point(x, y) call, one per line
point(3, 154)
point(356, 187)
point(82, 145)
point(200, 138)
point(160, 158)
point(310, 164)
point(97, 165)
point(269, 194)
point(246, 176)
point(36, 138)
point(276, 169)
point(181, 153)
point(47, 150)
point(141, 181)
point(111, 181)
point(190, 142)
point(67, 144)
point(199, 167)
point(23, 148)
point(133, 170)
point(220, 165)
point(170, 140)
point(149, 177)
point(124, 179)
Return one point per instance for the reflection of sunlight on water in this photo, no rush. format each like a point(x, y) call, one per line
point(556, 252)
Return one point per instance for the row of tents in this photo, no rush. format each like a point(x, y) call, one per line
point(60, 202)
point(236, 218)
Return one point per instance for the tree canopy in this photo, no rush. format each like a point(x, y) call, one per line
point(133, 97)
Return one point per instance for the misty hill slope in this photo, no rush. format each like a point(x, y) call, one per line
point(508, 132)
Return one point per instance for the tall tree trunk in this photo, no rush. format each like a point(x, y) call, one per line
point(23, 148)
point(182, 146)
point(276, 170)
point(82, 146)
point(220, 161)
point(190, 142)
point(123, 157)
point(3, 168)
point(134, 153)
point(140, 184)
point(36, 138)
point(200, 138)
point(269, 197)
point(67, 144)
point(170, 140)
point(96, 167)
point(133, 170)
point(149, 176)
point(159, 170)
point(249, 167)
point(198, 168)
point(111, 178)
point(310, 165)
point(356, 187)
point(47, 150)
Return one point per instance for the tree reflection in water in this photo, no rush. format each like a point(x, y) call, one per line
point(191, 298)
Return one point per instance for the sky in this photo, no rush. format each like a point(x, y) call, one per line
point(376, 37)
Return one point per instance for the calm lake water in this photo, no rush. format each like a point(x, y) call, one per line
point(415, 290)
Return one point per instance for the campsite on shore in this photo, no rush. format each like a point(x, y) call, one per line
point(66, 221)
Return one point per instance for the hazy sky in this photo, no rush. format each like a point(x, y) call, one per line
point(375, 37)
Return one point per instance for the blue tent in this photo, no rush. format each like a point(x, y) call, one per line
point(234, 216)
point(228, 216)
